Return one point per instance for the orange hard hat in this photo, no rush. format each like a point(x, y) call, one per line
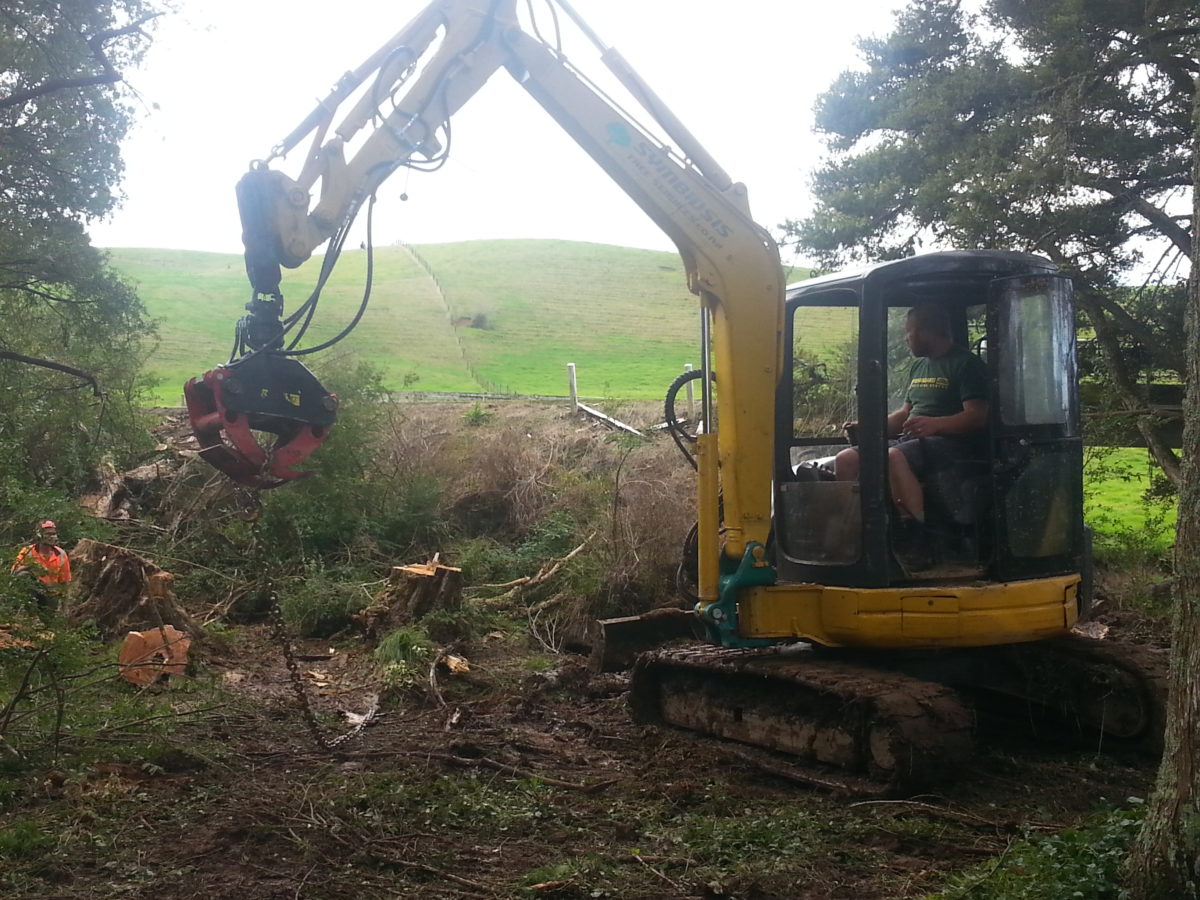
point(47, 524)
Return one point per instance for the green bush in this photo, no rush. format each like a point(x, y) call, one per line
point(321, 603)
point(404, 645)
point(404, 656)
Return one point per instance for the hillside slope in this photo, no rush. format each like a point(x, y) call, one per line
point(473, 316)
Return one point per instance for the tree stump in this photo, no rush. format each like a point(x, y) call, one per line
point(122, 592)
point(412, 593)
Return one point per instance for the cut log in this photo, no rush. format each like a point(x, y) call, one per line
point(148, 656)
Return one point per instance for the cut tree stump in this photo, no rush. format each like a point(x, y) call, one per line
point(412, 593)
point(121, 592)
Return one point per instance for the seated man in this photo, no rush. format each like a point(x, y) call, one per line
point(945, 411)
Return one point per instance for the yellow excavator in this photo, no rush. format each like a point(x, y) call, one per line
point(822, 639)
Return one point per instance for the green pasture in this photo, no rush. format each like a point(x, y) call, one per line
point(505, 316)
point(473, 316)
point(1115, 504)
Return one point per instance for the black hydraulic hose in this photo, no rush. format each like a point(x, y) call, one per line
point(362, 307)
point(678, 433)
point(687, 573)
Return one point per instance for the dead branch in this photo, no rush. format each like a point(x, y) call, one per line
point(954, 816)
point(672, 882)
point(433, 685)
point(170, 715)
point(506, 769)
point(440, 873)
point(544, 574)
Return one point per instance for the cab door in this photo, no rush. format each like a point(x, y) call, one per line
point(1038, 451)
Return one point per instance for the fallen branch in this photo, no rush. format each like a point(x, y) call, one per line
point(672, 882)
point(440, 873)
point(961, 817)
point(170, 715)
point(506, 769)
point(544, 574)
point(433, 685)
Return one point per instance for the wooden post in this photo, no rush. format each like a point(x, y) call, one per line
point(691, 413)
point(571, 385)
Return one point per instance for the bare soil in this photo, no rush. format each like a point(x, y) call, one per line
point(522, 777)
point(506, 782)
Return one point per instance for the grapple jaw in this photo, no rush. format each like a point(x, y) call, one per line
point(263, 392)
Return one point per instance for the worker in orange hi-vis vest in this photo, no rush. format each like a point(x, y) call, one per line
point(44, 558)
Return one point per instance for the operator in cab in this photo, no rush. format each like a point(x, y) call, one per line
point(944, 416)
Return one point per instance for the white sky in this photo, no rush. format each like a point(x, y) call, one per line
point(227, 79)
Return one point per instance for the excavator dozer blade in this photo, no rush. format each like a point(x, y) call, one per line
point(261, 393)
point(616, 643)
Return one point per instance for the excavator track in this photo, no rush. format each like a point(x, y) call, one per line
point(858, 729)
point(1104, 694)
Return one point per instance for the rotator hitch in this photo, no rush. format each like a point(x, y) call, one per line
point(262, 390)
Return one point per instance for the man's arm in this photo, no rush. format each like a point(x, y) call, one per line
point(897, 419)
point(974, 417)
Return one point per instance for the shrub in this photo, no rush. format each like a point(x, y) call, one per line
point(320, 604)
point(404, 656)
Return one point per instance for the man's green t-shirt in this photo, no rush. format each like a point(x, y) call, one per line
point(938, 387)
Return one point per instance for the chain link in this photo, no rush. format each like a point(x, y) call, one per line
point(279, 632)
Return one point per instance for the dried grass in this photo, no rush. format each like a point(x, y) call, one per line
point(530, 461)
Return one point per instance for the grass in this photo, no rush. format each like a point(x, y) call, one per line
point(488, 316)
point(1115, 483)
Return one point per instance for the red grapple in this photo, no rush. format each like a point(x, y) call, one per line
point(266, 393)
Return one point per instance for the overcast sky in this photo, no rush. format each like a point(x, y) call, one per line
point(227, 79)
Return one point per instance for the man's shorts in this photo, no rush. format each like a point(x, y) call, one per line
point(927, 455)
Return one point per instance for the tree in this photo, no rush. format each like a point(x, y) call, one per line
point(1059, 127)
point(1166, 857)
point(64, 109)
point(1069, 128)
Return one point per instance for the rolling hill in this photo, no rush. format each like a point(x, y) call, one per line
point(478, 316)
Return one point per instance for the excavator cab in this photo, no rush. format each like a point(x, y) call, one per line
point(1013, 508)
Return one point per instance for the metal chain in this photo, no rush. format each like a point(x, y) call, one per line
point(279, 632)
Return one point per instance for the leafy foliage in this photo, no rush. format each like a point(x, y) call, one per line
point(63, 112)
point(1056, 127)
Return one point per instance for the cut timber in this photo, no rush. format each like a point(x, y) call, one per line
point(412, 593)
point(122, 592)
point(147, 656)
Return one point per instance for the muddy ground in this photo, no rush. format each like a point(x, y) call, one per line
point(523, 776)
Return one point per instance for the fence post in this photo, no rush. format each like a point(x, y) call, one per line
point(687, 367)
point(571, 385)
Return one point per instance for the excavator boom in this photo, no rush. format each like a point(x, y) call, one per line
point(414, 84)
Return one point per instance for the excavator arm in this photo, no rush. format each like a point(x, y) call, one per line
point(410, 88)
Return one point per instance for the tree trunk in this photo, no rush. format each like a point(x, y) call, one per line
point(1166, 856)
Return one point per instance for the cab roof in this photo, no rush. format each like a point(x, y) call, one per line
point(950, 276)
